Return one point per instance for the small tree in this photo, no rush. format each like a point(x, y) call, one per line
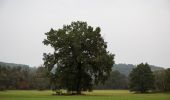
point(81, 57)
point(141, 78)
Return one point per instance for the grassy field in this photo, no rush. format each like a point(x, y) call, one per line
point(95, 95)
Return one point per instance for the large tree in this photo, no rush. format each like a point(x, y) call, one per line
point(80, 55)
point(141, 78)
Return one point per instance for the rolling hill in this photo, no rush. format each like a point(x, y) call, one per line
point(5, 64)
point(122, 68)
point(127, 68)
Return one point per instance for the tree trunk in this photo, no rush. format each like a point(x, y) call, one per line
point(79, 76)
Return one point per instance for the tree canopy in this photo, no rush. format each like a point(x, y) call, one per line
point(141, 78)
point(81, 57)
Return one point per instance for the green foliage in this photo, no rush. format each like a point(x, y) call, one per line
point(141, 78)
point(3, 78)
point(17, 76)
point(81, 56)
point(167, 79)
point(41, 78)
point(162, 80)
point(116, 80)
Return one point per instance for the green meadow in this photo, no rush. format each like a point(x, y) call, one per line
point(95, 95)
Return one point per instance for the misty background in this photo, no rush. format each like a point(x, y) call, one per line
point(136, 30)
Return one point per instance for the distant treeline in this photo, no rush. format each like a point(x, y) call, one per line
point(115, 81)
point(17, 76)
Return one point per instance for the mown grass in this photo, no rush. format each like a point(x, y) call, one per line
point(95, 95)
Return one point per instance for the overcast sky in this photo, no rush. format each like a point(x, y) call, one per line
point(136, 30)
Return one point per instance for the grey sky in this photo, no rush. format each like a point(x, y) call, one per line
point(136, 30)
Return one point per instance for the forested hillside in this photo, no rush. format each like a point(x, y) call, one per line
point(127, 68)
point(12, 64)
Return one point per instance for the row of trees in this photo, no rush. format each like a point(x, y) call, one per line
point(22, 77)
point(141, 79)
